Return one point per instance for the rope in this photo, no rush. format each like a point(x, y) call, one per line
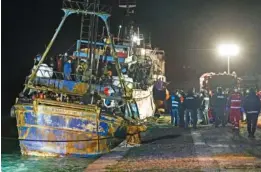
point(71, 47)
point(31, 140)
point(10, 138)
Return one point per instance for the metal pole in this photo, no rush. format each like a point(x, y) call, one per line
point(228, 64)
point(117, 65)
point(119, 32)
point(118, 68)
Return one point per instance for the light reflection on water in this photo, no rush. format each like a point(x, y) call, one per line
point(12, 161)
point(18, 163)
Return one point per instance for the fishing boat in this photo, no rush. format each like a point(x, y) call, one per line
point(82, 110)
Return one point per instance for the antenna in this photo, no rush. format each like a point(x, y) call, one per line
point(129, 5)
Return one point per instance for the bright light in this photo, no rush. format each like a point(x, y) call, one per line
point(120, 26)
point(143, 51)
point(228, 50)
point(135, 39)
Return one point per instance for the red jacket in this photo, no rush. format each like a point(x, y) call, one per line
point(235, 101)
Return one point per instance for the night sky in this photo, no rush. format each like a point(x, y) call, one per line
point(188, 31)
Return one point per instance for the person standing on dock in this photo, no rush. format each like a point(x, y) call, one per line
point(252, 106)
point(235, 106)
point(191, 104)
point(218, 102)
point(174, 110)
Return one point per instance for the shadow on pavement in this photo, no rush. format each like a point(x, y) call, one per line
point(172, 136)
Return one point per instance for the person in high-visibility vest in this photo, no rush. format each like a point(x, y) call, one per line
point(174, 111)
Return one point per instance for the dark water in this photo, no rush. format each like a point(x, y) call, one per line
point(18, 163)
point(12, 161)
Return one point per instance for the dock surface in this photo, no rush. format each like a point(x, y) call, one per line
point(168, 148)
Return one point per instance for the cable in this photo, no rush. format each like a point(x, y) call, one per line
point(12, 138)
point(71, 47)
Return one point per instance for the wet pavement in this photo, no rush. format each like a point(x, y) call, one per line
point(168, 148)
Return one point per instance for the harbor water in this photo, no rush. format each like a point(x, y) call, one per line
point(13, 161)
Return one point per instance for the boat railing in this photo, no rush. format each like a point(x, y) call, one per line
point(50, 74)
point(50, 78)
point(83, 6)
point(47, 73)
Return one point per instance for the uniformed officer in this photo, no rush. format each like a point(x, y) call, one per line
point(252, 107)
point(218, 102)
point(191, 104)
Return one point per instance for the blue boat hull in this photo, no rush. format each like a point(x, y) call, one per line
point(47, 130)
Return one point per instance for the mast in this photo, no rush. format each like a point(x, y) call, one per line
point(129, 6)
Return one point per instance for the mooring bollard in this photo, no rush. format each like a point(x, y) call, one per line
point(133, 134)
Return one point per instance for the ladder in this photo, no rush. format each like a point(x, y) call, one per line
point(89, 31)
point(89, 23)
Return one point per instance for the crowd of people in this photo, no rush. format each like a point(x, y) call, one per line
point(224, 106)
point(77, 69)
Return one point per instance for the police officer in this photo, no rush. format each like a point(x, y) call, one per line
point(252, 107)
point(174, 111)
point(235, 106)
point(191, 104)
point(218, 102)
